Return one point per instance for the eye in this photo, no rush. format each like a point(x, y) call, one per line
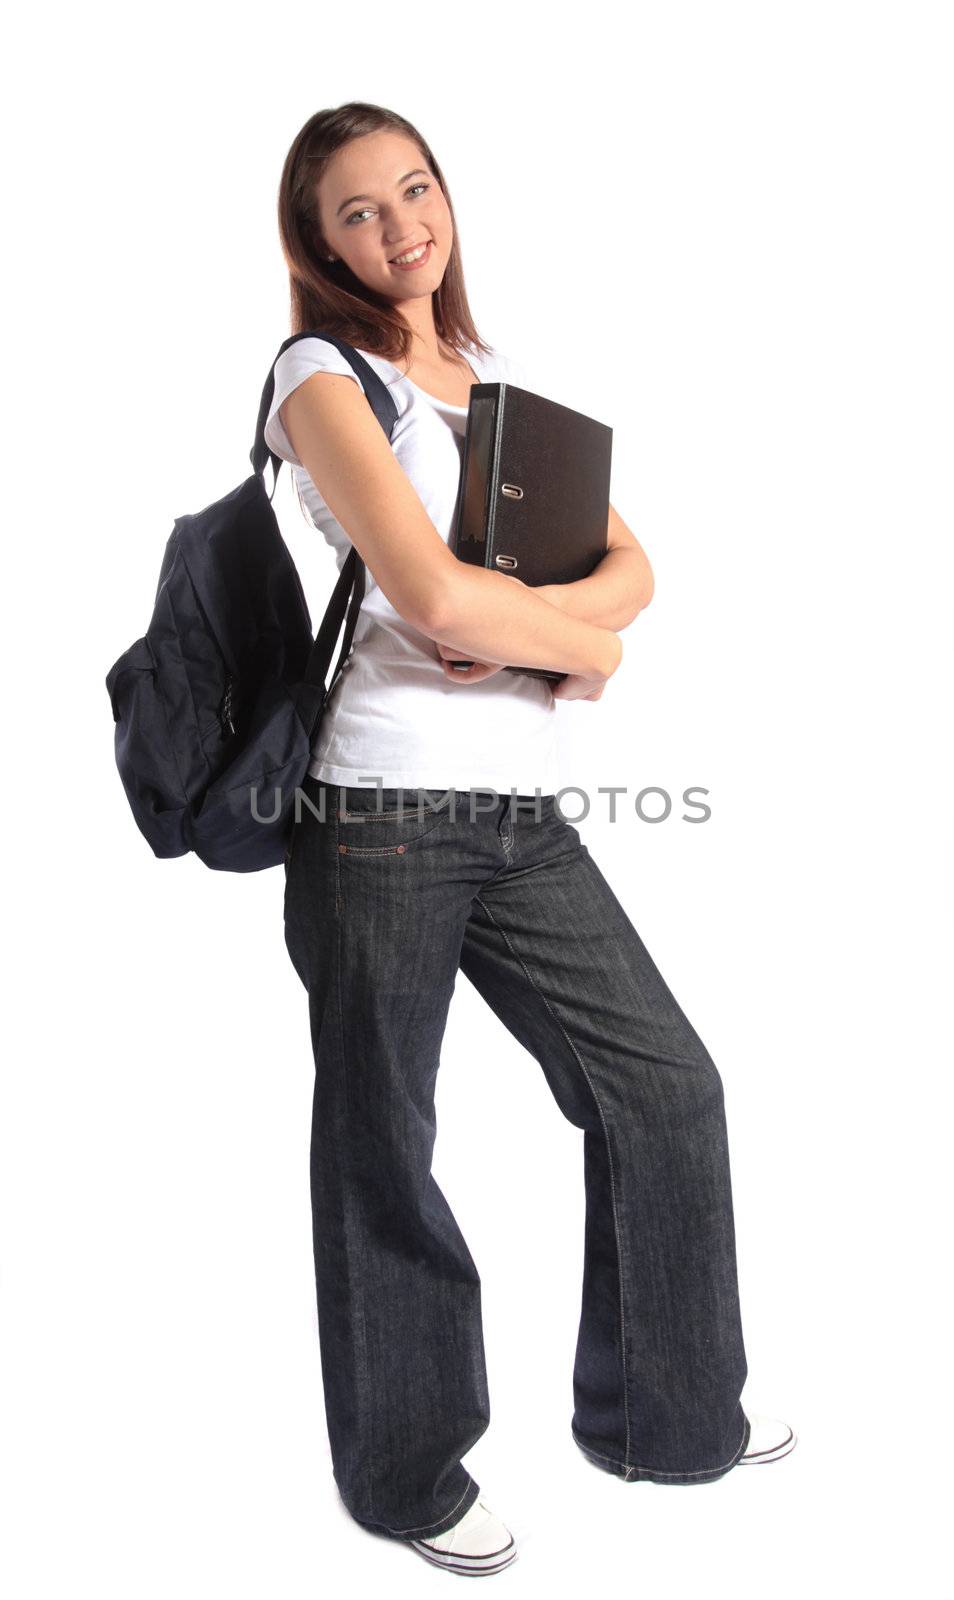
point(363, 213)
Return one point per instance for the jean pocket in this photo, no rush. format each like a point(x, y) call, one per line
point(390, 821)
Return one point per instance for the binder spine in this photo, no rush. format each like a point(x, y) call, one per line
point(493, 473)
point(476, 504)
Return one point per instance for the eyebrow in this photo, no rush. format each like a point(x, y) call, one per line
point(351, 198)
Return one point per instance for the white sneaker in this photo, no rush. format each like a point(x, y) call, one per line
point(769, 1439)
point(478, 1544)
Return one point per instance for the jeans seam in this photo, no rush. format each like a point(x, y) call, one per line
point(421, 1525)
point(658, 1471)
point(368, 1407)
point(524, 872)
point(433, 822)
point(337, 856)
point(609, 1152)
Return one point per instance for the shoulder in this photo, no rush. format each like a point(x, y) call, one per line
point(306, 356)
point(500, 368)
point(301, 361)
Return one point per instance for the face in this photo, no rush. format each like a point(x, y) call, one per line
point(377, 199)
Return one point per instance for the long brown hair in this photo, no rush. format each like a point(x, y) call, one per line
point(327, 295)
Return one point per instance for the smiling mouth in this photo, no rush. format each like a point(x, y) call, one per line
point(397, 261)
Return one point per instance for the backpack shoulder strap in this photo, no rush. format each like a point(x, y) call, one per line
point(379, 399)
point(349, 589)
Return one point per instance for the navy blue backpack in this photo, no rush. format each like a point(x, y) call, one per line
point(217, 705)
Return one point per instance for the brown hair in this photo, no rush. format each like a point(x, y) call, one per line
point(326, 295)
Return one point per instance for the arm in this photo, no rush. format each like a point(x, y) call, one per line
point(618, 588)
point(343, 448)
point(492, 620)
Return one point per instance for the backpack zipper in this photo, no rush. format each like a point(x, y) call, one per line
point(225, 715)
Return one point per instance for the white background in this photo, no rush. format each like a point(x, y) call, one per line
point(725, 229)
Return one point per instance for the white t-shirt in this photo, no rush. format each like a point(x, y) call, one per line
point(393, 716)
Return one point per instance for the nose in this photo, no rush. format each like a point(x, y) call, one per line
point(400, 232)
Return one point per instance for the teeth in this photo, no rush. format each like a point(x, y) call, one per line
point(412, 255)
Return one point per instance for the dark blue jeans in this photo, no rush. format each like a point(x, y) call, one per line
point(381, 912)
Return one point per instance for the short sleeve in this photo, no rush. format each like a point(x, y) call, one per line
point(293, 366)
point(514, 372)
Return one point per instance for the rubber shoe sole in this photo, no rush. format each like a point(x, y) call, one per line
point(769, 1439)
point(476, 1546)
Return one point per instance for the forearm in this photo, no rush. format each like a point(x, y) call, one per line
point(489, 618)
point(613, 595)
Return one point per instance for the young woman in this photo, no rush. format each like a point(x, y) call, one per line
point(430, 842)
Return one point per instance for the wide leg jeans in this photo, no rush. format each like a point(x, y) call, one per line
point(388, 896)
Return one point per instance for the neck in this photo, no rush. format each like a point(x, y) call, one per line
point(419, 316)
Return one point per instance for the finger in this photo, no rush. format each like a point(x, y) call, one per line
point(470, 674)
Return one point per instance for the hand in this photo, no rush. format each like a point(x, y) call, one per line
point(472, 674)
point(573, 686)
